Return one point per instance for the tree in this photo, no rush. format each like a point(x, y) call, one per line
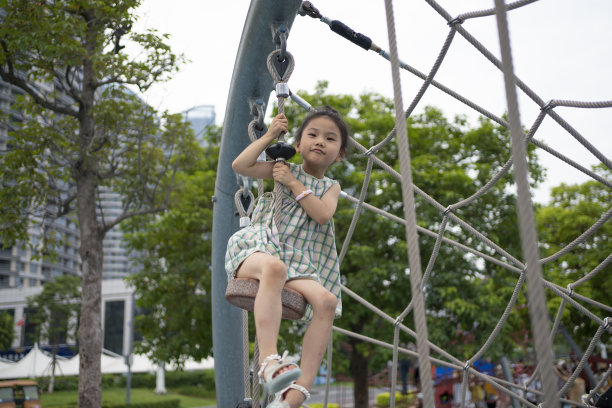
point(56, 310)
point(174, 247)
point(571, 211)
point(450, 162)
point(81, 131)
point(7, 330)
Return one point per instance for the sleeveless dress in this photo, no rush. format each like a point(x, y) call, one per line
point(307, 248)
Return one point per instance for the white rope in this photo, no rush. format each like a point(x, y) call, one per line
point(414, 258)
point(529, 242)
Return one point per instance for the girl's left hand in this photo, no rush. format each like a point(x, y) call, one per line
point(282, 174)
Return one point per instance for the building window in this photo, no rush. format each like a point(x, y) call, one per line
point(113, 326)
point(5, 281)
point(28, 337)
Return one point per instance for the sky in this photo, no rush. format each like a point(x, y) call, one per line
point(561, 50)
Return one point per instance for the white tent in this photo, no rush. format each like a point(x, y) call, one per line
point(38, 364)
point(35, 364)
point(5, 364)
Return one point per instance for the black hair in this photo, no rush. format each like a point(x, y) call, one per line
point(334, 116)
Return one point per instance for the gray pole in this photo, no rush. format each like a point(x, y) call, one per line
point(507, 370)
point(250, 79)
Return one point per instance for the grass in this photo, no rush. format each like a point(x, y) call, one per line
point(117, 396)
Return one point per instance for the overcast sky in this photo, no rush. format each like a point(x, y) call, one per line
point(561, 50)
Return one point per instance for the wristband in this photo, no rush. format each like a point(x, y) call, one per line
point(303, 194)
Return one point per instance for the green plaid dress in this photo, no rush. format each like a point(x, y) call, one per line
point(307, 248)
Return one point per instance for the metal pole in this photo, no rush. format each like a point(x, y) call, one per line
point(507, 370)
point(128, 357)
point(250, 80)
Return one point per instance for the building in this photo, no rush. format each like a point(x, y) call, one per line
point(24, 269)
point(117, 306)
point(200, 117)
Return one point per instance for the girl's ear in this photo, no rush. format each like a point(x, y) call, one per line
point(341, 155)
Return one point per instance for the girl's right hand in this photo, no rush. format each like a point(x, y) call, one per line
point(279, 125)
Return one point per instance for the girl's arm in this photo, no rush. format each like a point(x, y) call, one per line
point(246, 163)
point(319, 209)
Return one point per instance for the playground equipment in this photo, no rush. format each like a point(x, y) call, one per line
point(252, 83)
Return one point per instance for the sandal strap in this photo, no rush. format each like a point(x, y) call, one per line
point(301, 389)
point(267, 360)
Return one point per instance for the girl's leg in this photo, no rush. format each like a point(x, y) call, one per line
point(272, 275)
point(317, 335)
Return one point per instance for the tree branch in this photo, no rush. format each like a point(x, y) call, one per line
point(8, 75)
point(124, 216)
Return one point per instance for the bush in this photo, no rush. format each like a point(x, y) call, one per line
point(319, 405)
point(382, 400)
point(204, 379)
point(194, 391)
point(171, 403)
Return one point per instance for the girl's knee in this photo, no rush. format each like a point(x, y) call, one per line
point(326, 303)
point(274, 269)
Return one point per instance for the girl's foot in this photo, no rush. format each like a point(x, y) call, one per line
point(282, 402)
point(275, 375)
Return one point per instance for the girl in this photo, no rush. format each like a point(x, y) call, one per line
point(299, 253)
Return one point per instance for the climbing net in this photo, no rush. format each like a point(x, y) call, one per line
point(528, 270)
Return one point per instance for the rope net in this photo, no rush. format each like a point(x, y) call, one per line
point(528, 270)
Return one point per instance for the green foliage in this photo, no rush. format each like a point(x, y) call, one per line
point(56, 308)
point(175, 248)
point(179, 381)
point(170, 403)
point(450, 162)
point(572, 210)
point(7, 332)
point(384, 400)
point(89, 119)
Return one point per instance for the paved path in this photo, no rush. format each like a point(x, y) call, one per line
point(339, 394)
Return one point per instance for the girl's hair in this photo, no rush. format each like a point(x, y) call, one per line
point(334, 116)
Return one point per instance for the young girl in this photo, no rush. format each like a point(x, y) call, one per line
point(299, 252)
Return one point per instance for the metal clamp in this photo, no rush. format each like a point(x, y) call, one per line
point(282, 90)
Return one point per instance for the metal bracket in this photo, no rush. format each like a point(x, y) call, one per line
point(257, 106)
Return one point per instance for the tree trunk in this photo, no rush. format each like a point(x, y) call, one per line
point(90, 327)
point(359, 369)
point(90, 250)
point(53, 365)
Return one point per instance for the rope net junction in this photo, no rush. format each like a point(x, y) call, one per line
point(528, 270)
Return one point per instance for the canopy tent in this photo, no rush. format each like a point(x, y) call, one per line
point(38, 364)
point(35, 364)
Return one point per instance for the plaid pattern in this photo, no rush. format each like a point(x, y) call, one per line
point(307, 248)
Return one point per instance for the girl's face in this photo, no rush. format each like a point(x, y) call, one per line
point(320, 145)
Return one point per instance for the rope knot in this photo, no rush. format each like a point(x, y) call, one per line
point(467, 365)
point(548, 106)
point(570, 290)
point(448, 210)
point(455, 21)
point(370, 152)
point(397, 321)
point(607, 321)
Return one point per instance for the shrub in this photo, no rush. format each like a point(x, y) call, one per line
point(382, 400)
point(319, 405)
point(171, 403)
point(194, 391)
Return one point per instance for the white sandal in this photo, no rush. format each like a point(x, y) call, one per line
point(274, 385)
point(277, 403)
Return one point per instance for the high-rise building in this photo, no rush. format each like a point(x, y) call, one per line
point(23, 269)
point(200, 117)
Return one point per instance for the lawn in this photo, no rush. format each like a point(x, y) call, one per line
point(117, 396)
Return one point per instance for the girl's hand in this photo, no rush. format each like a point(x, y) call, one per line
point(282, 174)
point(279, 125)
